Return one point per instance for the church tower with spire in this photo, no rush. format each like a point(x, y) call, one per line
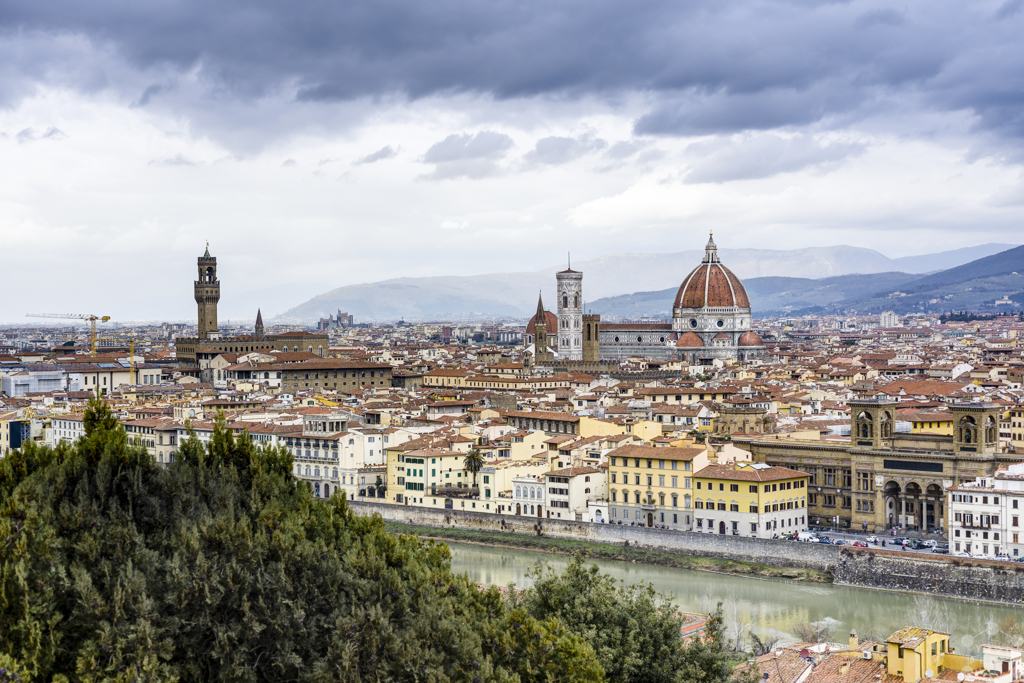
point(207, 293)
point(259, 324)
point(541, 351)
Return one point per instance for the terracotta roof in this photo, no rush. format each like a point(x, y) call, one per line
point(662, 453)
point(750, 338)
point(711, 285)
point(748, 473)
point(550, 320)
point(690, 340)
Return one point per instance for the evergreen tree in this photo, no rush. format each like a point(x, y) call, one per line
point(634, 630)
point(223, 567)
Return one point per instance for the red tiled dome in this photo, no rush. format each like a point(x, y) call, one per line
point(551, 320)
point(720, 336)
point(690, 340)
point(711, 285)
point(750, 338)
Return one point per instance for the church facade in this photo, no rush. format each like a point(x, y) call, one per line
point(711, 319)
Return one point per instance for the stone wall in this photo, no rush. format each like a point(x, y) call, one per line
point(778, 553)
point(953, 577)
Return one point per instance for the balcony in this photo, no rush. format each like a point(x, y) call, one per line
point(648, 506)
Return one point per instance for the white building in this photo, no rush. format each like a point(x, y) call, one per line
point(985, 515)
point(888, 319)
point(66, 428)
point(569, 491)
point(528, 496)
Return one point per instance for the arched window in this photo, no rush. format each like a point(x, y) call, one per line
point(576, 301)
point(518, 492)
point(320, 350)
point(565, 301)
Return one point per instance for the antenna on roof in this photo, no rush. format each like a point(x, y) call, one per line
point(569, 259)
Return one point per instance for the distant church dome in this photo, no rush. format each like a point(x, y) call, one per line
point(690, 340)
point(551, 320)
point(750, 338)
point(711, 285)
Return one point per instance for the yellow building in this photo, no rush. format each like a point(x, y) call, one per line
point(928, 421)
point(413, 475)
point(913, 652)
point(749, 499)
point(649, 485)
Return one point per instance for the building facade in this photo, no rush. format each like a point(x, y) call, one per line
point(749, 499)
point(882, 479)
point(650, 486)
point(985, 515)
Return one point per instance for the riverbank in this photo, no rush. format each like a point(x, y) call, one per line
point(607, 551)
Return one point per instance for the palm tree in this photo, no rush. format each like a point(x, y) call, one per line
point(474, 462)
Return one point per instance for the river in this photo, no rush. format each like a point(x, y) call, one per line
point(768, 608)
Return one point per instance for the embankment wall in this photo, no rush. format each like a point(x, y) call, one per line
point(863, 567)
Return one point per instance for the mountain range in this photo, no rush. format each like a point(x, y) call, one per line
point(775, 279)
point(974, 286)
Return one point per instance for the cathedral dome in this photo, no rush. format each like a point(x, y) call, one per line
point(711, 285)
point(690, 340)
point(550, 319)
point(750, 338)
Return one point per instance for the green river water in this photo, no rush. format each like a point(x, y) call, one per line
point(770, 608)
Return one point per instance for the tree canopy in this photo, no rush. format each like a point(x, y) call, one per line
point(224, 567)
point(633, 628)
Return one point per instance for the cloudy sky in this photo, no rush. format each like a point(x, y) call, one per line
point(322, 144)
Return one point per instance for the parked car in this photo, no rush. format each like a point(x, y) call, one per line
point(872, 539)
point(929, 543)
point(941, 549)
point(1003, 557)
point(859, 544)
point(981, 556)
point(824, 540)
point(900, 540)
point(840, 541)
point(961, 553)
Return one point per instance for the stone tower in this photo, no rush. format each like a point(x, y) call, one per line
point(872, 422)
point(541, 355)
point(592, 338)
point(259, 324)
point(570, 314)
point(207, 291)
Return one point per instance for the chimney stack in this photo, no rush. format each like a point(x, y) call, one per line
point(853, 640)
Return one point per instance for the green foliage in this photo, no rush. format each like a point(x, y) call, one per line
point(474, 462)
point(633, 629)
point(223, 567)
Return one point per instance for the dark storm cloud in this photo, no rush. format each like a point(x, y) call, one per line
point(707, 67)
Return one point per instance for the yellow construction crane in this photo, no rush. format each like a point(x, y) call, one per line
point(76, 316)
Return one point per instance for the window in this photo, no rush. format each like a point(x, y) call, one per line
point(753, 488)
point(734, 488)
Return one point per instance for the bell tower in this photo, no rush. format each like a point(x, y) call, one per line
point(976, 427)
point(207, 292)
point(872, 422)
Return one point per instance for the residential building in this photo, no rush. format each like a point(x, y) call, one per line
point(571, 488)
point(749, 499)
point(985, 515)
point(649, 485)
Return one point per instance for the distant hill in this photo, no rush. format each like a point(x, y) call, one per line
point(930, 263)
point(768, 295)
point(974, 286)
point(498, 295)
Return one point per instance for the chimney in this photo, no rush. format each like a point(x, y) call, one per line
point(853, 640)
